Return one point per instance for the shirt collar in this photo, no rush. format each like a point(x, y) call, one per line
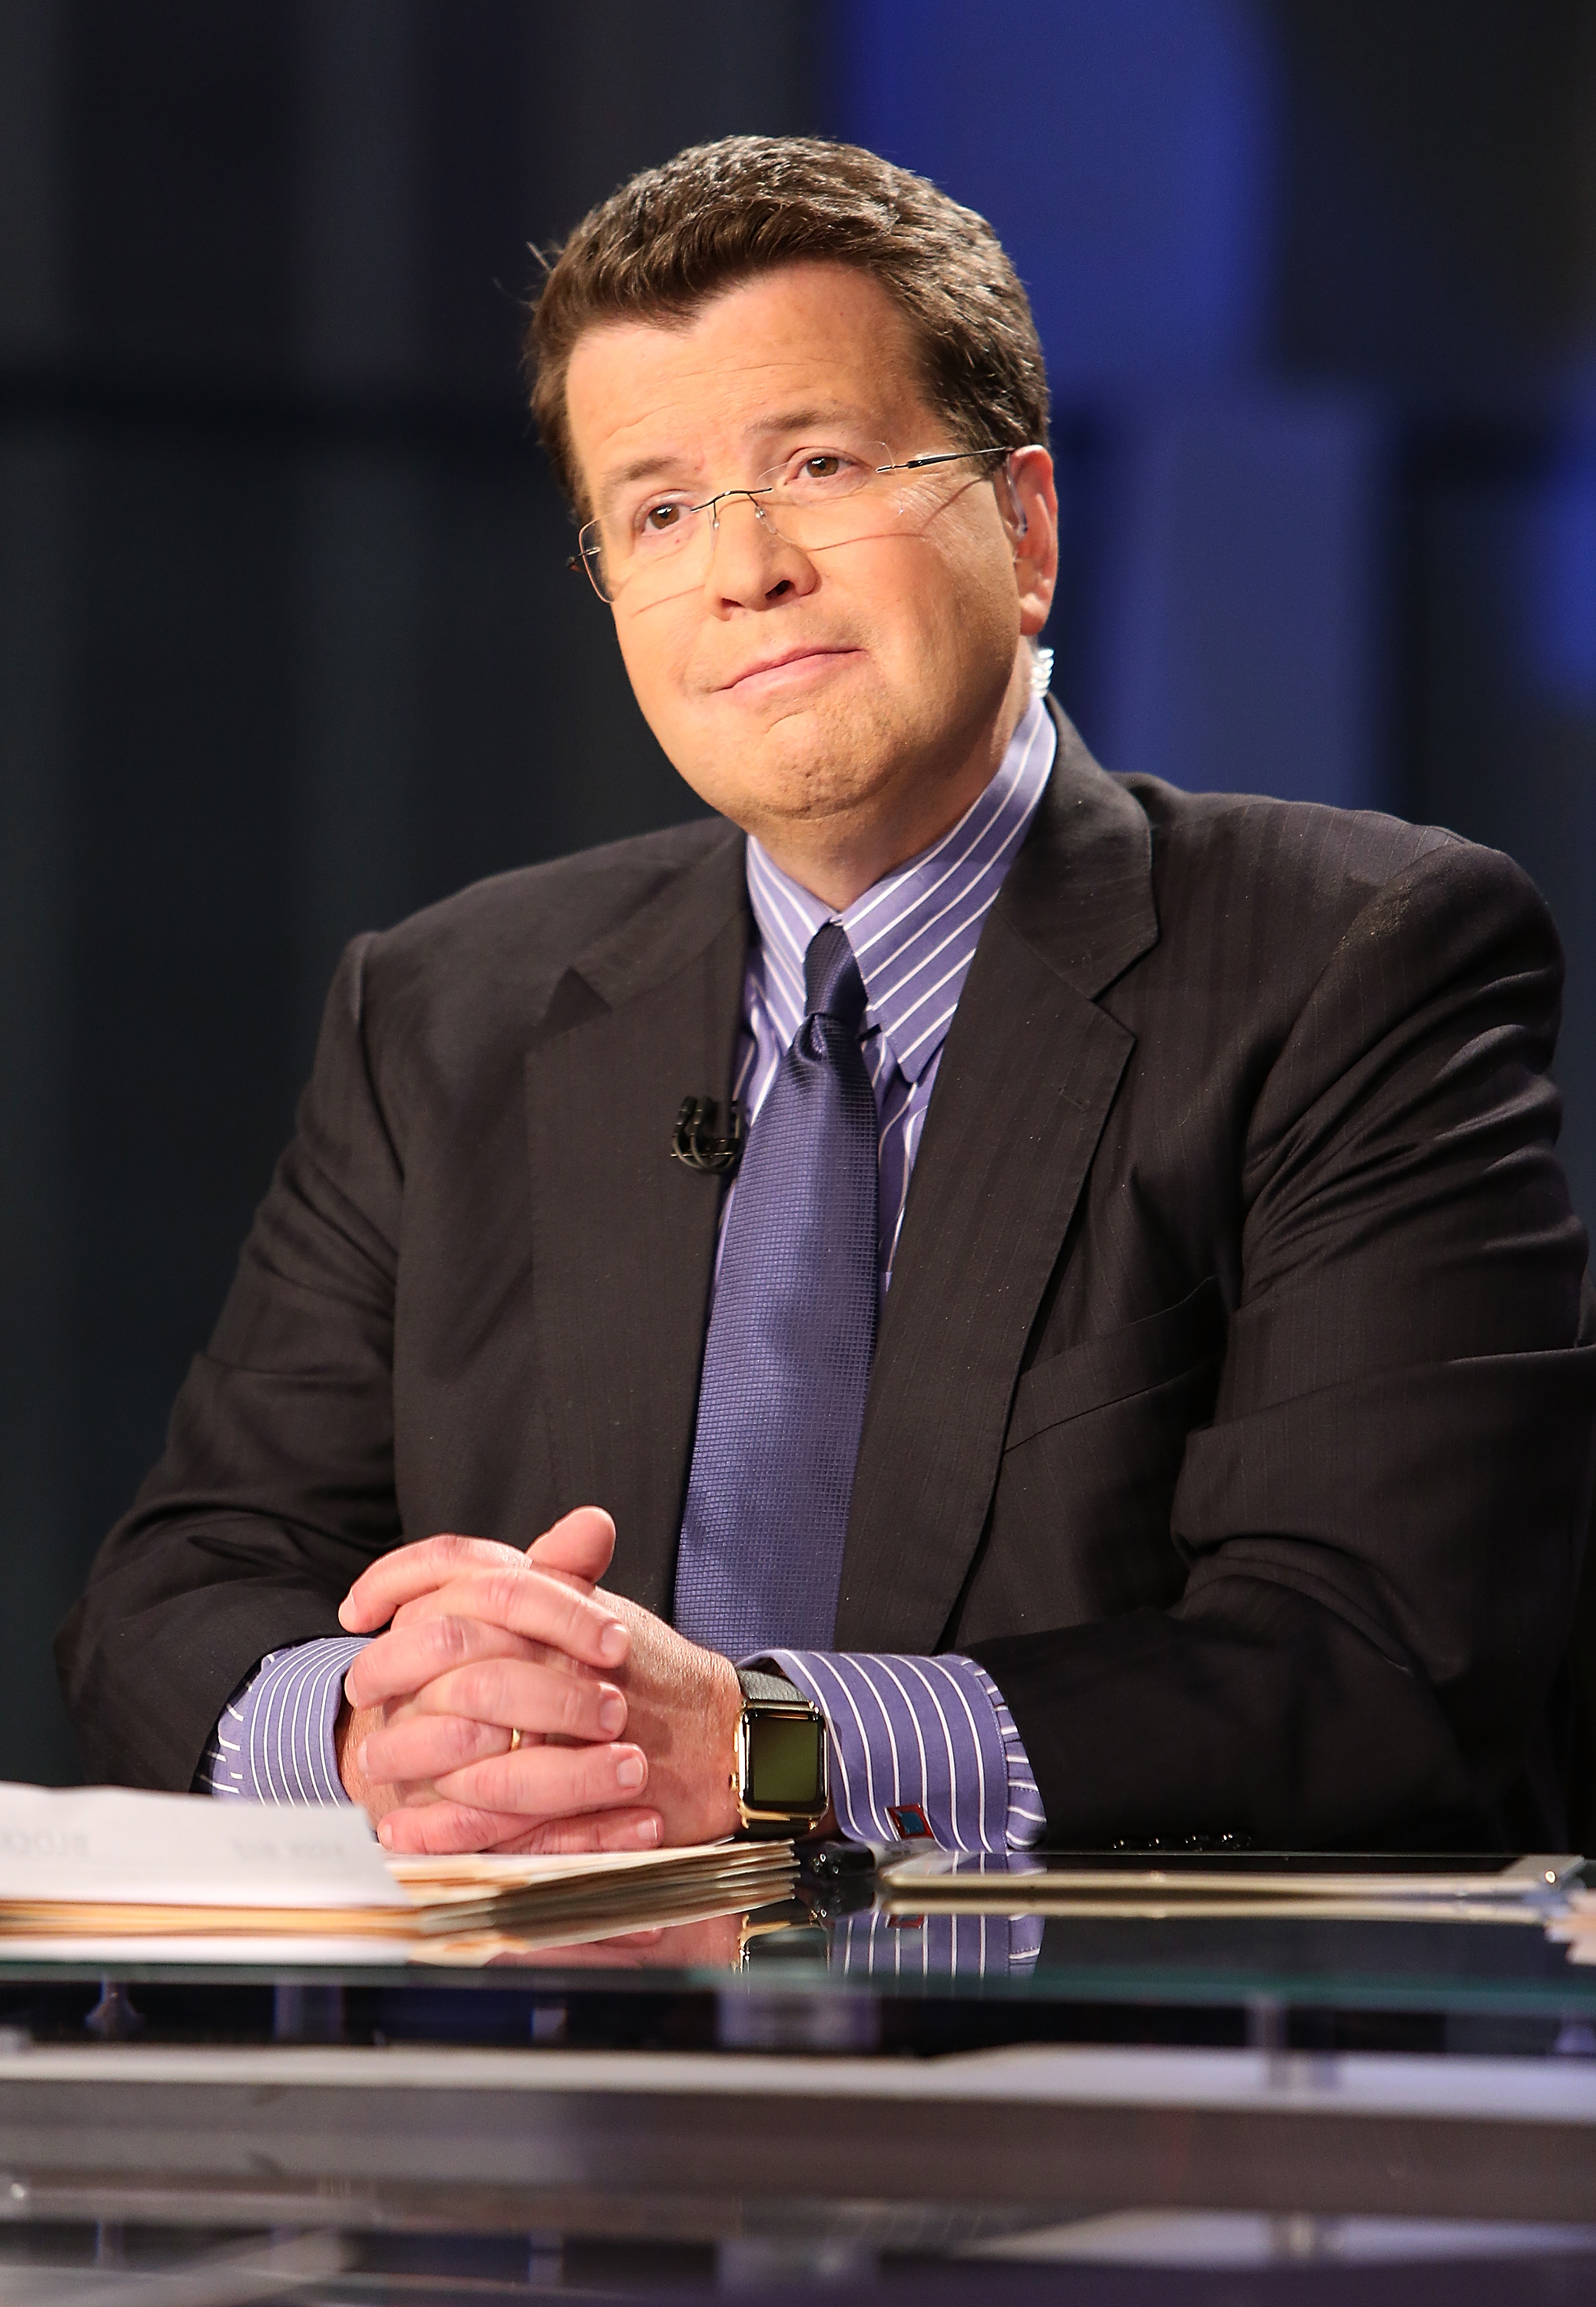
point(914, 934)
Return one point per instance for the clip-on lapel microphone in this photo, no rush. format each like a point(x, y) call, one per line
point(694, 1141)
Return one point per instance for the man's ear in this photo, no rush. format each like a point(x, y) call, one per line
point(1028, 502)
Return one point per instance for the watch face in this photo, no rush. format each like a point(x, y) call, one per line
point(786, 1764)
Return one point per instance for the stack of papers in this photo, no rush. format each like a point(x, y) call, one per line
point(107, 1874)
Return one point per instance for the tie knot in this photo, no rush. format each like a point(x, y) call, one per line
point(832, 986)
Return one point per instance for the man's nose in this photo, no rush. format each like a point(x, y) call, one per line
point(751, 562)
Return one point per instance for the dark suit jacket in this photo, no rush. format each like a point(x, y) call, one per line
point(1231, 1401)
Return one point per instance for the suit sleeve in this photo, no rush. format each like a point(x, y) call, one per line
point(1383, 1523)
point(277, 1486)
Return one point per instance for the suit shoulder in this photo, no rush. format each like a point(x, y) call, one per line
point(522, 927)
point(559, 904)
point(473, 974)
point(1328, 866)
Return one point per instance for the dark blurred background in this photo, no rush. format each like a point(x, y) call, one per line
point(287, 646)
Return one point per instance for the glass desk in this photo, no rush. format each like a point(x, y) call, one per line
point(1279, 2109)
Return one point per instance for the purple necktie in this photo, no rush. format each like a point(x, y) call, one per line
point(787, 1361)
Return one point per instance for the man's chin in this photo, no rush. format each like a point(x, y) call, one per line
point(817, 790)
point(812, 753)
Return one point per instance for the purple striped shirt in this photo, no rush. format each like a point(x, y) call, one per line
point(274, 1742)
point(931, 1734)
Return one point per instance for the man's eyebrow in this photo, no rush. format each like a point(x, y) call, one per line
point(787, 420)
point(640, 468)
point(818, 412)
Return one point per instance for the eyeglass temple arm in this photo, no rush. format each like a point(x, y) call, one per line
point(944, 456)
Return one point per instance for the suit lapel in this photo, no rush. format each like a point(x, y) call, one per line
point(623, 1236)
point(1027, 1078)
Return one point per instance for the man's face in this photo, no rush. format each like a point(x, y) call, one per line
point(865, 681)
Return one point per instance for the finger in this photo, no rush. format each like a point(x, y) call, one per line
point(421, 1606)
point(468, 1715)
point(544, 1782)
point(441, 1827)
point(411, 1570)
point(616, 1830)
point(548, 1700)
point(415, 1751)
point(436, 1826)
point(537, 1606)
point(427, 1604)
point(410, 1656)
point(576, 1551)
point(580, 1545)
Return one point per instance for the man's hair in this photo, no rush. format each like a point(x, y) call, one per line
point(672, 238)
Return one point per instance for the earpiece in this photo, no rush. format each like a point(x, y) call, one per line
point(1016, 510)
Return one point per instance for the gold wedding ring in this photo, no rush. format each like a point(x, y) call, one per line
point(514, 1741)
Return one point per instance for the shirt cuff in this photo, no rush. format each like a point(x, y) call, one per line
point(930, 1733)
point(274, 1740)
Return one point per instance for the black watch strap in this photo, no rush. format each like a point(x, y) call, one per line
point(774, 1689)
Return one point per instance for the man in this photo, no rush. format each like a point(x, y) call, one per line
point(1138, 1382)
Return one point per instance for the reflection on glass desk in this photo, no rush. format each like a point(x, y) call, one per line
point(995, 2107)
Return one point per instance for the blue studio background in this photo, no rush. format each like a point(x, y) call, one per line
point(287, 647)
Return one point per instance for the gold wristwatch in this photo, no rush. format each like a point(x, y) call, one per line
point(779, 1772)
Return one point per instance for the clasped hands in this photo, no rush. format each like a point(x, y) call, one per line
point(626, 1729)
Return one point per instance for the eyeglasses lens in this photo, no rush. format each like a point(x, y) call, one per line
point(814, 500)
